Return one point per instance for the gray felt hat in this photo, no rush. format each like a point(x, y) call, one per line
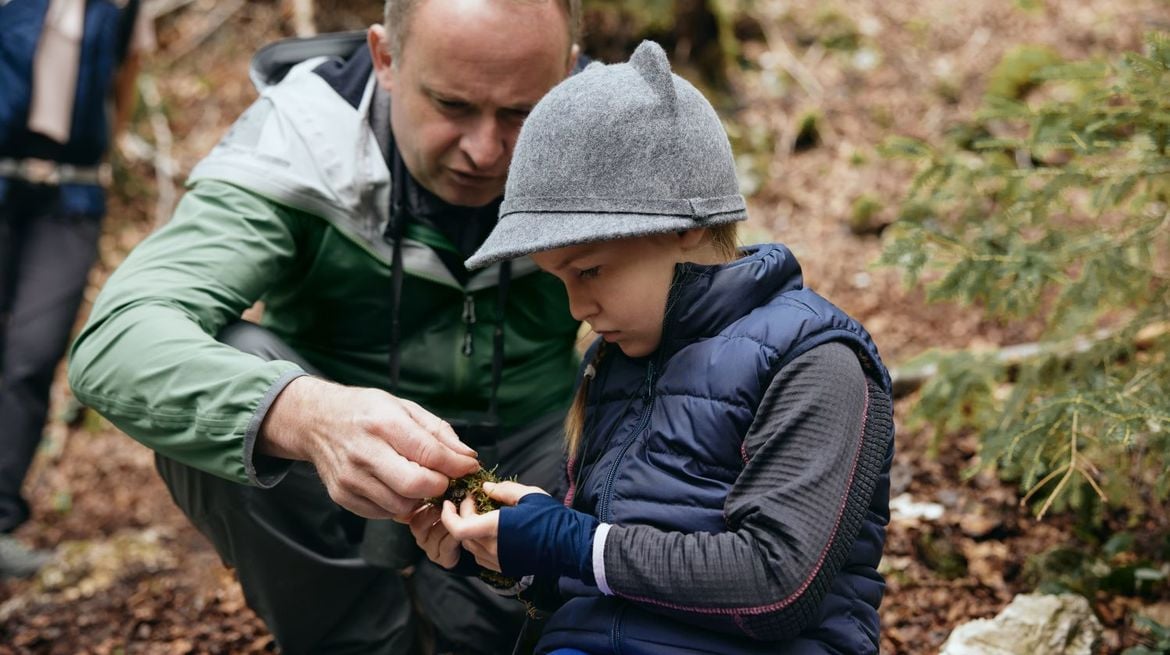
point(612, 152)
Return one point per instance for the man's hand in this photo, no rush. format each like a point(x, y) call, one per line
point(378, 455)
point(479, 533)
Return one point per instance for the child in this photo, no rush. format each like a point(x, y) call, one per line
point(730, 445)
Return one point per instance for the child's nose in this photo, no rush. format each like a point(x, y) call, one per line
point(581, 307)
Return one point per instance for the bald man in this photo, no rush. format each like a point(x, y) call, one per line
point(346, 198)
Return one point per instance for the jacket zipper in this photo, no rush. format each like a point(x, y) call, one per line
point(463, 347)
point(469, 321)
point(643, 420)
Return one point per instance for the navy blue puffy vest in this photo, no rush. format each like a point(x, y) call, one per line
point(662, 447)
point(104, 41)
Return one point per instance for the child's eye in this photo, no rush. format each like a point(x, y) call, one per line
point(588, 273)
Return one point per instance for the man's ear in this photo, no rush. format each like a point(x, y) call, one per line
point(379, 45)
point(574, 53)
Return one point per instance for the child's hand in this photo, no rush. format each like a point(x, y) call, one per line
point(478, 533)
point(509, 493)
point(434, 539)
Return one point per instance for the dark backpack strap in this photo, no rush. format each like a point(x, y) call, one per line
point(126, 28)
point(272, 62)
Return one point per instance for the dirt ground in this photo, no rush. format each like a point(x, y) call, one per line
point(133, 577)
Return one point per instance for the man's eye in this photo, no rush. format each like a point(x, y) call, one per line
point(588, 273)
point(451, 105)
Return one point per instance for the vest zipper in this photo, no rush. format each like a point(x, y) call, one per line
point(615, 632)
point(643, 420)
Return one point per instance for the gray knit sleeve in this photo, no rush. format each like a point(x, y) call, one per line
point(792, 515)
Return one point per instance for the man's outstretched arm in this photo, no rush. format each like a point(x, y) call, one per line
point(148, 361)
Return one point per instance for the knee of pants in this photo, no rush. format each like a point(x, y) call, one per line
point(257, 340)
point(250, 338)
point(29, 368)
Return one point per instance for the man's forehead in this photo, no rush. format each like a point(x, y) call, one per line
point(504, 27)
point(487, 62)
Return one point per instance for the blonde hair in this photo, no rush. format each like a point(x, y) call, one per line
point(725, 242)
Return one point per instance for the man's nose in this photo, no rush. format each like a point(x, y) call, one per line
point(484, 144)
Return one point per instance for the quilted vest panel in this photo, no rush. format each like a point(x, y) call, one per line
point(664, 441)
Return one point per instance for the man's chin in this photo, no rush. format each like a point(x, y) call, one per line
point(465, 195)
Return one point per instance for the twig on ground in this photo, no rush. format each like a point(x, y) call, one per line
point(789, 62)
point(216, 18)
point(157, 8)
point(304, 21)
point(907, 380)
point(164, 163)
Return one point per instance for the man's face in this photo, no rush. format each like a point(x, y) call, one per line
point(469, 73)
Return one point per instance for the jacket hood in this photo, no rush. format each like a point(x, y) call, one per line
point(303, 145)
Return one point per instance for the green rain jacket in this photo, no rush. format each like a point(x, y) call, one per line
point(291, 208)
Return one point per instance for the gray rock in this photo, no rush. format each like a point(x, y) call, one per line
point(1030, 624)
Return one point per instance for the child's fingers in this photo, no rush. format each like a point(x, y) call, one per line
point(467, 508)
point(484, 553)
point(422, 523)
point(409, 515)
point(446, 551)
point(467, 525)
point(510, 493)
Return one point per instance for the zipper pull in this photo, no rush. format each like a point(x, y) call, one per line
point(468, 320)
point(468, 310)
point(649, 379)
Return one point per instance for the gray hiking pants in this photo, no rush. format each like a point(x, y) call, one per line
point(298, 554)
point(45, 257)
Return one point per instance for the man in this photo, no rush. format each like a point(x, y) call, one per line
point(346, 198)
point(61, 62)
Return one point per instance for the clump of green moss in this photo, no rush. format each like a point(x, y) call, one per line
point(470, 485)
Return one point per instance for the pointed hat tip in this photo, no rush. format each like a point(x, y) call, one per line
point(650, 61)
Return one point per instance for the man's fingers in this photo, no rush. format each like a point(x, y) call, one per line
point(392, 483)
point(422, 447)
point(361, 506)
point(407, 478)
point(439, 428)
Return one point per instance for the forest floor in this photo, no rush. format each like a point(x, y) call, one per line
point(132, 576)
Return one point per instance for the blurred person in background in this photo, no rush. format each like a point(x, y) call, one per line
point(67, 70)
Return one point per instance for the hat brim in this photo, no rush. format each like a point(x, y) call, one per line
point(523, 233)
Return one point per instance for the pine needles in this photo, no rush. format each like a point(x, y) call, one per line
point(1053, 205)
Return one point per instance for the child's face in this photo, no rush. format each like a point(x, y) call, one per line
point(619, 287)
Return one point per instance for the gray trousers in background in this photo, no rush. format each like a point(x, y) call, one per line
point(298, 554)
point(45, 257)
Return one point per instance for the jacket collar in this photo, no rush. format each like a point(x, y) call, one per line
point(704, 300)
